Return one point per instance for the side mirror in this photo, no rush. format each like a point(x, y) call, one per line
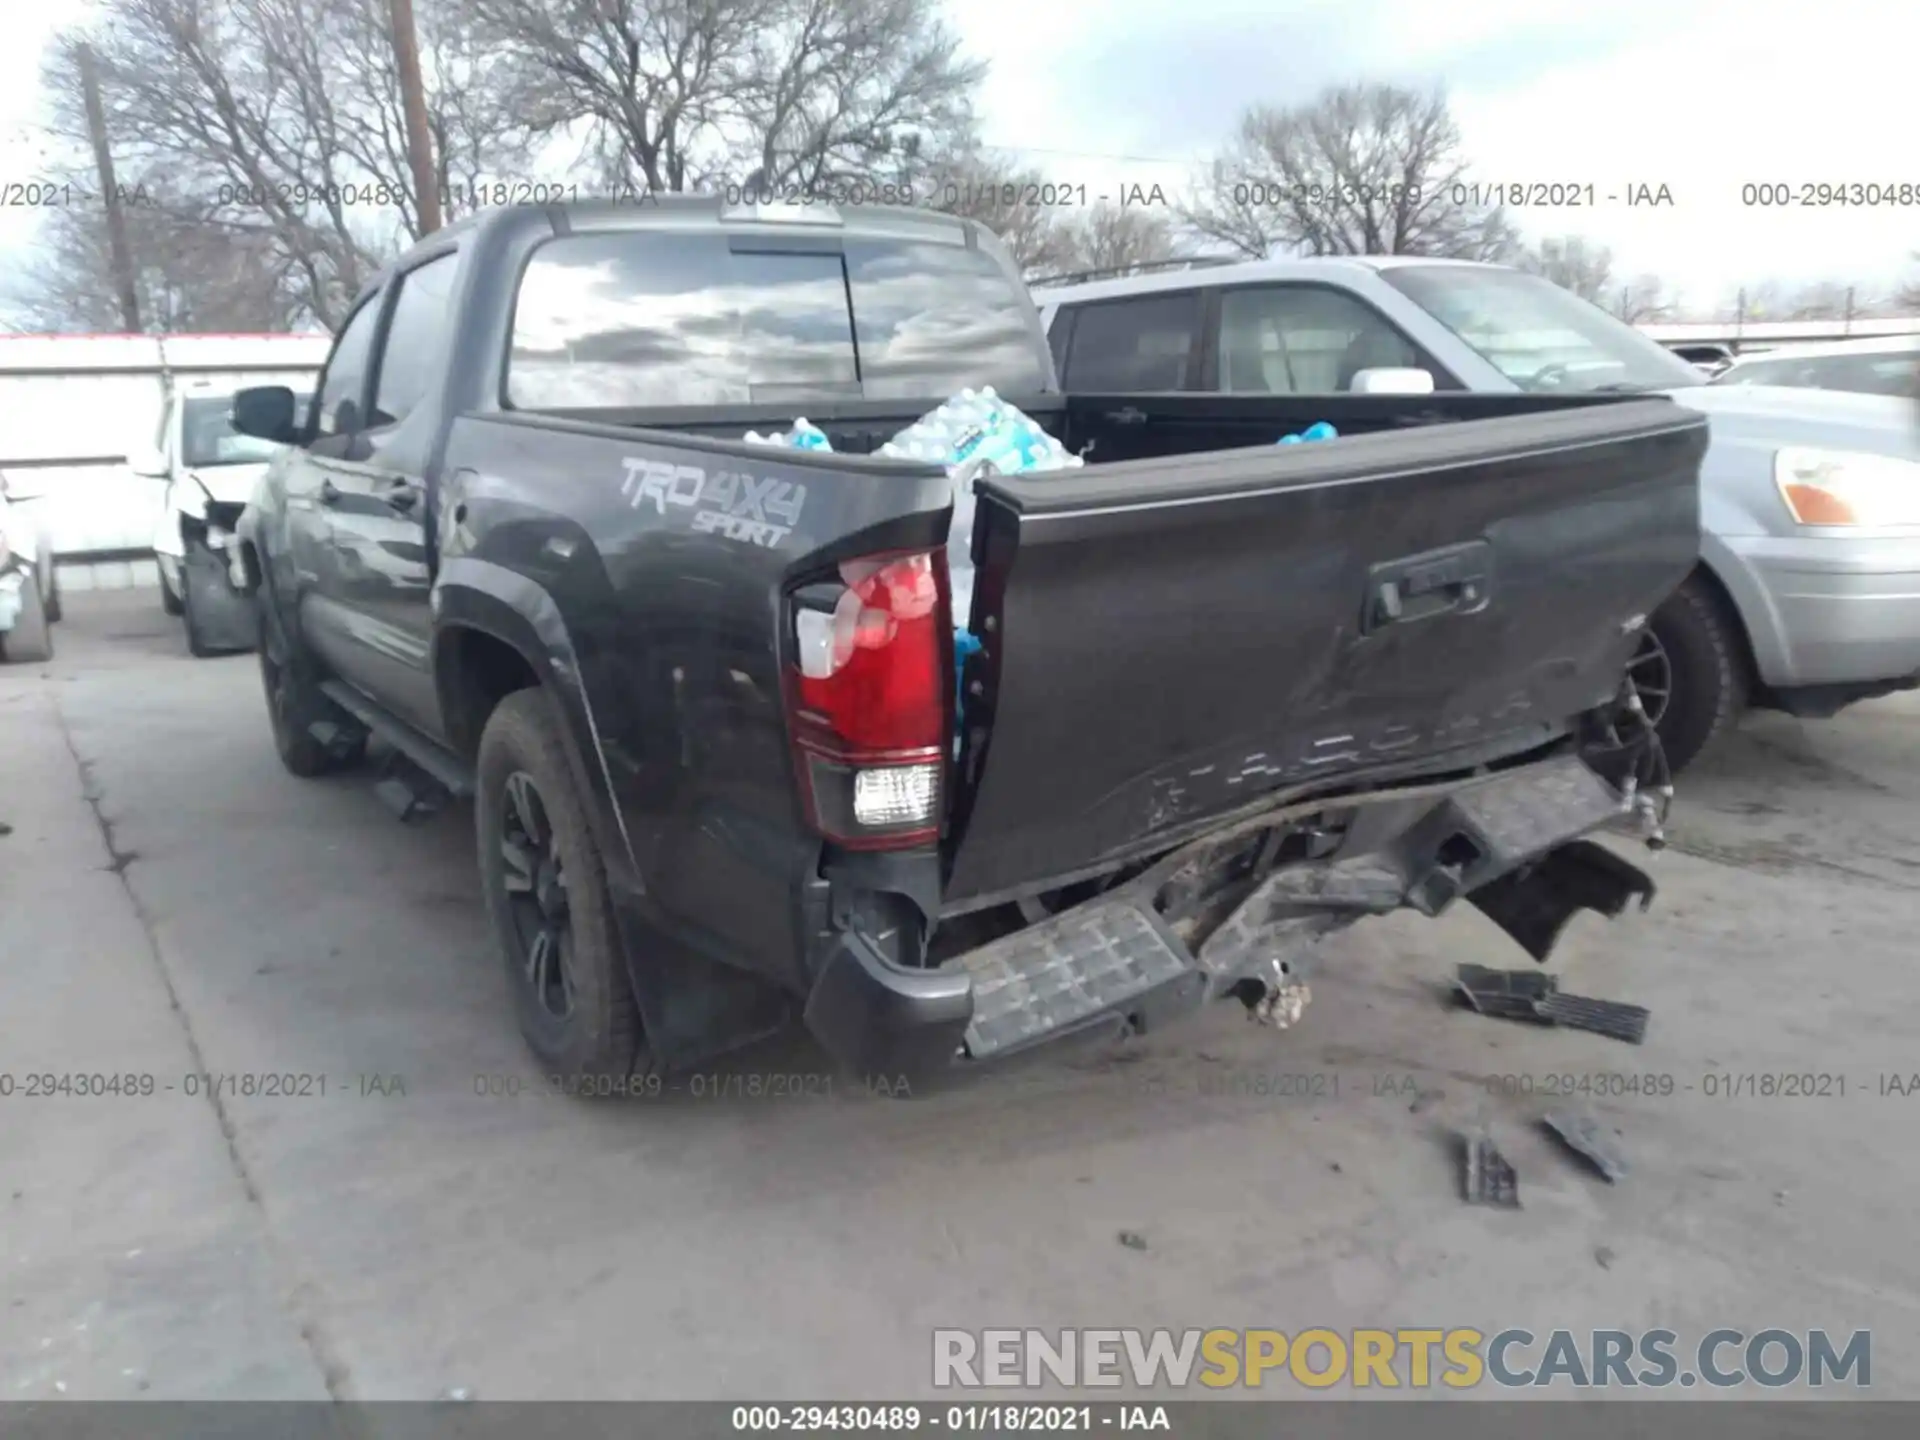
point(1392, 381)
point(266, 412)
point(148, 463)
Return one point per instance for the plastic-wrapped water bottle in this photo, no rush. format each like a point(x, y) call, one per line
point(1319, 430)
point(803, 435)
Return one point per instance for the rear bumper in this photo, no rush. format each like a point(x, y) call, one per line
point(1132, 960)
point(1833, 611)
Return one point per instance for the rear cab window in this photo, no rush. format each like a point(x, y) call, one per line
point(661, 319)
point(1140, 343)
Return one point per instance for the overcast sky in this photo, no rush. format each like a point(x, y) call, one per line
point(1699, 95)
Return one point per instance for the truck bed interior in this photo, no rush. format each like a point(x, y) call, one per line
point(1106, 429)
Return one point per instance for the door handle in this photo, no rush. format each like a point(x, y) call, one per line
point(1456, 580)
point(330, 494)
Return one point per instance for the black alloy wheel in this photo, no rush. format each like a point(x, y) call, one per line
point(538, 908)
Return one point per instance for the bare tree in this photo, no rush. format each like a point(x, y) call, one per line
point(187, 276)
point(278, 125)
point(1573, 263)
point(1830, 300)
point(1106, 236)
point(1643, 299)
point(1368, 169)
point(1771, 300)
point(666, 95)
point(1005, 198)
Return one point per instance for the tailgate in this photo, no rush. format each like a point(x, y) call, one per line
point(1169, 640)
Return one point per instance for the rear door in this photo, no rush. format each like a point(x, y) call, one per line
point(1169, 640)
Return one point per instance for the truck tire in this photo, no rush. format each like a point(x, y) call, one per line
point(295, 703)
point(1696, 642)
point(197, 645)
point(30, 641)
point(53, 597)
point(169, 601)
point(546, 890)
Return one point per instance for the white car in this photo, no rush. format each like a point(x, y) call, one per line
point(210, 470)
point(1888, 366)
point(29, 588)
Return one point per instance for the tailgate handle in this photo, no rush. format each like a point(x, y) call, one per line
point(1454, 581)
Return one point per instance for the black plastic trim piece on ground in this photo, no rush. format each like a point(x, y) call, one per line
point(1602, 1017)
point(1487, 1178)
point(1535, 996)
point(1585, 1136)
point(1534, 903)
point(1505, 994)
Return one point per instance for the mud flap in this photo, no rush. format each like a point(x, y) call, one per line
point(1534, 903)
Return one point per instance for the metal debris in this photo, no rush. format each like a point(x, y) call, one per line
point(1133, 1239)
point(1535, 996)
point(1586, 1136)
point(1487, 1178)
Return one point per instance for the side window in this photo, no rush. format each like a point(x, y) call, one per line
point(346, 378)
point(1303, 340)
point(416, 336)
point(1137, 344)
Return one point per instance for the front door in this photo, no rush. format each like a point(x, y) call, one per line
point(374, 496)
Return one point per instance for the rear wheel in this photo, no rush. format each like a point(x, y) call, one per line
point(30, 640)
point(295, 703)
point(169, 599)
point(1691, 671)
point(547, 892)
point(53, 596)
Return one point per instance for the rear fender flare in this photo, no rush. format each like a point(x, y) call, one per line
point(481, 596)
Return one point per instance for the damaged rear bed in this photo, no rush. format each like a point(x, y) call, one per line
point(1227, 704)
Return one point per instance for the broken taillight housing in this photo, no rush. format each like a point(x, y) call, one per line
point(869, 702)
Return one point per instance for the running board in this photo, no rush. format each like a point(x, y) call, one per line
point(448, 770)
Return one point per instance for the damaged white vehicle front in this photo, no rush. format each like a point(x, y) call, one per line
point(29, 590)
point(210, 470)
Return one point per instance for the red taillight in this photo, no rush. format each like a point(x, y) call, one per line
point(870, 703)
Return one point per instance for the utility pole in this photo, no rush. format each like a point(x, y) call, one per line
point(121, 255)
point(406, 55)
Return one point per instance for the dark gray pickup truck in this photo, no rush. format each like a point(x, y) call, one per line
point(1232, 695)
